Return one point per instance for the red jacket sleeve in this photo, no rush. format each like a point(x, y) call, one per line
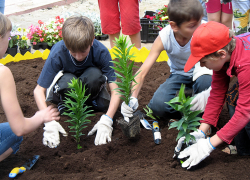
point(220, 83)
point(242, 111)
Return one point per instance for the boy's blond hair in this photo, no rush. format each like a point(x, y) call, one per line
point(181, 11)
point(5, 25)
point(78, 33)
point(228, 48)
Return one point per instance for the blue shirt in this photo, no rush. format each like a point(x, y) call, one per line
point(60, 59)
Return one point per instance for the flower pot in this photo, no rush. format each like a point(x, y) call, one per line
point(97, 37)
point(132, 128)
point(37, 46)
point(12, 51)
point(23, 51)
point(44, 45)
point(104, 36)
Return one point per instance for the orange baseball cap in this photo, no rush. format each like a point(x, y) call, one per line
point(207, 38)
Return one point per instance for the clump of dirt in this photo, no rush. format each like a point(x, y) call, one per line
point(139, 158)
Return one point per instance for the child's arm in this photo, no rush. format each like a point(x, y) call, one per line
point(39, 95)
point(114, 102)
point(18, 123)
point(156, 49)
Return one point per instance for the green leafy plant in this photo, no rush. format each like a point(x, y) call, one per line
point(123, 68)
point(189, 120)
point(22, 40)
point(149, 112)
point(76, 109)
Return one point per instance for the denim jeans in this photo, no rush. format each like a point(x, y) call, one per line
point(168, 89)
point(242, 139)
point(8, 139)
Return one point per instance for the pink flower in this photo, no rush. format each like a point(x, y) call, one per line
point(41, 39)
point(34, 43)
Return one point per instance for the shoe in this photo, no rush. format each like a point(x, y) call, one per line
point(61, 107)
point(209, 132)
point(171, 121)
point(230, 149)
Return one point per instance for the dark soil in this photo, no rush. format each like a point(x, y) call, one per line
point(120, 159)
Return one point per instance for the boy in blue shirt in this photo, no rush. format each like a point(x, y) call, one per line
point(78, 55)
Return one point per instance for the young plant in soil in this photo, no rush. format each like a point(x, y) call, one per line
point(149, 112)
point(189, 120)
point(76, 109)
point(123, 68)
point(124, 72)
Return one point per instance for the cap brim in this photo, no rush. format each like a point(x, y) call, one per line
point(192, 60)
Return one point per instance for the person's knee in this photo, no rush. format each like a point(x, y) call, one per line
point(16, 145)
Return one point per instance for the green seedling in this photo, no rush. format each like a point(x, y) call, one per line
point(124, 68)
point(149, 112)
point(76, 109)
point(189, 120)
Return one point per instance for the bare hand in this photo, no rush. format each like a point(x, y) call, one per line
point(49, 114)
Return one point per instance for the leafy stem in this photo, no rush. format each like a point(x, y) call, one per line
point(123, 68)
point(76, 109)
point(189, 120)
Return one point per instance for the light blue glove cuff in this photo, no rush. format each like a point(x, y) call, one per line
point(108, 116)
point(203, 133)
point(211, 144)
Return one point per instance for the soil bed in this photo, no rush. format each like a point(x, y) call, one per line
point(120, 159)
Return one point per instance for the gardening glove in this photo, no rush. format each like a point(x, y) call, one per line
point(51, 134)
point(196, 153)
point(200, 100)
point(199, 134)
point(128, 110)
point(103, 129)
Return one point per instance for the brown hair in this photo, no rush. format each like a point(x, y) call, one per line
point(78, 33)
point(5, 25)
point(181, 11)
point(229, 47)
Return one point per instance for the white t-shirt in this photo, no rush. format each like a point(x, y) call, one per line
point(177, 54)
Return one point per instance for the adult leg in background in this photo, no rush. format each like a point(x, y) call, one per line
point(110, 19)
point(130, 20)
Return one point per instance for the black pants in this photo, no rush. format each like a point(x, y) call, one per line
point(94, 82)
point(242, 139)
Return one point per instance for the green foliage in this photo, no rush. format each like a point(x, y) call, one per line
point(149, 112)
point(189, 121)
point(123, 68)
point(76, 109)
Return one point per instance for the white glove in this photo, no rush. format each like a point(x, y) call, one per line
point(199, 134)
point(104, 130)
point(51, 134)
point(200, 100)
point(196, 152)
point(128, 110)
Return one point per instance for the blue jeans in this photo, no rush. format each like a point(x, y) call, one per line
point(242, 139)
point(8, 139)
point(168, 89)
point(2, 6)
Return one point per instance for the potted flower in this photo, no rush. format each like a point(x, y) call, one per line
point(13, 39)
point(37, 34)
point(53, 31)
point(22, 42)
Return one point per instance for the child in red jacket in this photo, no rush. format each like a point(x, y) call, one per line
point(226, 55)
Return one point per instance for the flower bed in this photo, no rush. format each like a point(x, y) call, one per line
point(152, 23)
